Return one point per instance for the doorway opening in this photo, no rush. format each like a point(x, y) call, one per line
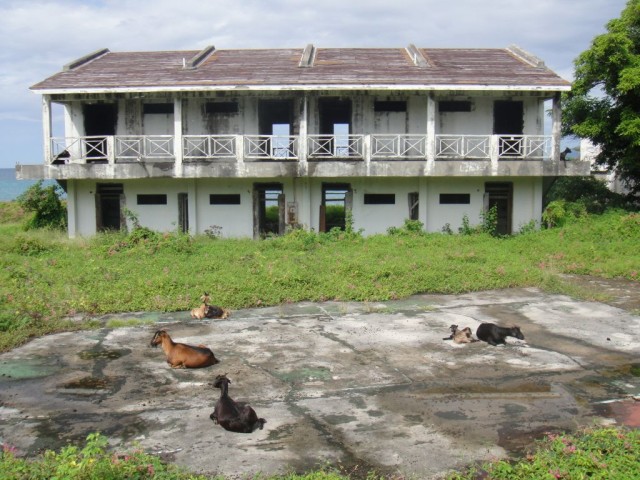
point(336, 206)
point(268, 209)
point(508, 119)
point(100, 120)
point(335, 123)
point(500, 195)
point(183, 212)
point(275, 117)
point(109, 207)
point(414, 203)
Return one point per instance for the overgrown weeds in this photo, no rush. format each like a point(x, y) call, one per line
point(45, 277)
point(597, 453)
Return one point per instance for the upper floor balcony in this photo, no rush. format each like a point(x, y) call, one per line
point(118, 149)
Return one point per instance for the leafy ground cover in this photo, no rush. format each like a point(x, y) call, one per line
point(46, 278)
point(595, 453)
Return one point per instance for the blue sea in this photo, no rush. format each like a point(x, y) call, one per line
point(10, 188)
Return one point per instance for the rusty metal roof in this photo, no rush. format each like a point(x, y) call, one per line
point(413, 68)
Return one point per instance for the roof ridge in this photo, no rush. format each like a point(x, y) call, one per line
point(85, 59)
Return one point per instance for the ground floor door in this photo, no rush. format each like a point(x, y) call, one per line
point(337, 200)
point(183, 212)
point(500, 195)
point(109, 202)
point(268, 209)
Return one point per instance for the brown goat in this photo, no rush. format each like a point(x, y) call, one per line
point(208, 311)
point(231, 415)
point(181, 355)
point(460, 335)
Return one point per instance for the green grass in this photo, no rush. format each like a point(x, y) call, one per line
point(599, 453)
point(595, 453)
point(45, 277)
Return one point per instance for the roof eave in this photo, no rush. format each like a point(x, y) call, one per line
point(372, 86)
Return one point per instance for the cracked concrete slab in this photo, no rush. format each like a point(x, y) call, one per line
point(366, 385)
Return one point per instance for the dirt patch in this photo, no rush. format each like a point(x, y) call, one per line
point(617, 292)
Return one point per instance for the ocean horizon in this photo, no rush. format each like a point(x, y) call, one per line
point(11, 188)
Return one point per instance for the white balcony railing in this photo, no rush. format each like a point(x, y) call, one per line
point(398, 146)
point(376, 147)
point(208, 146)
point(507, 146)
point(148, 147)
point(277, 147)
point(335, 146)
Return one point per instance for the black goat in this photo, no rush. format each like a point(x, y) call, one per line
point(231, 415)
point(494, 335)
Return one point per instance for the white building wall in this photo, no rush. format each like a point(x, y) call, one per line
point(378, 218)
point(234, 220)
point(438, 216)
point(237, 220)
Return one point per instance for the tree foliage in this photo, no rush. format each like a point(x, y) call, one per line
point(604, 104)
point(46, 205)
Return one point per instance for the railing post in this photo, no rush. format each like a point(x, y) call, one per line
point(366, 149)
point(494, 153)
point(111, 149)
point(240, 151)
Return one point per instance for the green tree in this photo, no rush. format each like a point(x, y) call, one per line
point(604, 103)
point(46, 205)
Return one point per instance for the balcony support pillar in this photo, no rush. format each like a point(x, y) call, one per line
point(303, 142)
point(556, 126)
point(431, 132)
point(46, 128)
point(177, 134)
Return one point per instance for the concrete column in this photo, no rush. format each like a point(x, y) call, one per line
point(72, 218)
point(494, 152)
point(177, 134)
point(46, 128)
point(303, 140)
point(556, 127)
point(431, 132)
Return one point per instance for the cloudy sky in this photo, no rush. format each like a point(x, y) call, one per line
point(40, 36)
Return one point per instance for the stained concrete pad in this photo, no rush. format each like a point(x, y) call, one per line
point(360, 385)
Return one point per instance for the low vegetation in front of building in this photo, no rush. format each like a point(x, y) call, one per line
point(597, 453)
point(51, 283)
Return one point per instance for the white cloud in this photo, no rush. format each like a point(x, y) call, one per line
point(40, 36)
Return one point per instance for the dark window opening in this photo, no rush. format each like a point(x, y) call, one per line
point(152, 199)
point(454, 106)
point(224, 199)
point(379, 199)
point(274, 112)
point(390, 106)
point(455, 199)
point(221, 107)
point(157, 108)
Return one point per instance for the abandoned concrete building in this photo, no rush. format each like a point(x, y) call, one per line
point(253, 142)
